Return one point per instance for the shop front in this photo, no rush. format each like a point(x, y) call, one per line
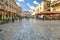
point(49, 15)
point(6, 16)
point(52, 15)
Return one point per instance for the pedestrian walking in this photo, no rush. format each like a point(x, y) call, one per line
point(20, 18)
point(12, 19)
point(27, 18)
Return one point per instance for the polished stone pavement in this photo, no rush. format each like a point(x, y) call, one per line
point(32, 29)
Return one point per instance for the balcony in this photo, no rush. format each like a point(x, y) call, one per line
point(2, 6)
point(2, 1)
point(55, 3)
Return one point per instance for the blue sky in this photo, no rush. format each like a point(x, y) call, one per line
point(27, 4)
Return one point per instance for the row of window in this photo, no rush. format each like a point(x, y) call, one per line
point(1, 0)
point(9, 4)
point(55, 1)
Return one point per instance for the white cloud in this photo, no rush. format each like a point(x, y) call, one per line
point(18, 3)
point(21, 0)
point(32, 7)
point(35, 2)
point(30, 10)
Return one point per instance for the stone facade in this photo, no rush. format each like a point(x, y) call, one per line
point(9, 8)
point(50, 9)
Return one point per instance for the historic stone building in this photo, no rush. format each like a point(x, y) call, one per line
point(9, 8)
point(50, 9)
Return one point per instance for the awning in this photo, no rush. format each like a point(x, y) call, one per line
point(49, 13)
point(2, 10)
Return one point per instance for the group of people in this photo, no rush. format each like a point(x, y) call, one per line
point(13, 19)
point(20, 18)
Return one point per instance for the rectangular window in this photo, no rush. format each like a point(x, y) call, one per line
point(0, 6)
point(54, 9)
point(1, 0)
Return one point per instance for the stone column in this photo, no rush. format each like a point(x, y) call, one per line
point(2, 15)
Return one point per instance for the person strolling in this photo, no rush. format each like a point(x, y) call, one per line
point(12, 19)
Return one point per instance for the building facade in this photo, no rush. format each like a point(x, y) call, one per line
point(55, 4)
point(40, 7)
point(50, 9)
point(26, 14)
point(8, 8)
point(55, 7)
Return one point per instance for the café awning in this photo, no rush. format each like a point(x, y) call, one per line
point(48, 13)
point(51, 12)
point(2, 10)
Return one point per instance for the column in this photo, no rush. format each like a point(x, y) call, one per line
point(2, 15)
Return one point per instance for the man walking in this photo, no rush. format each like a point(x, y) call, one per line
point(12, 19)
